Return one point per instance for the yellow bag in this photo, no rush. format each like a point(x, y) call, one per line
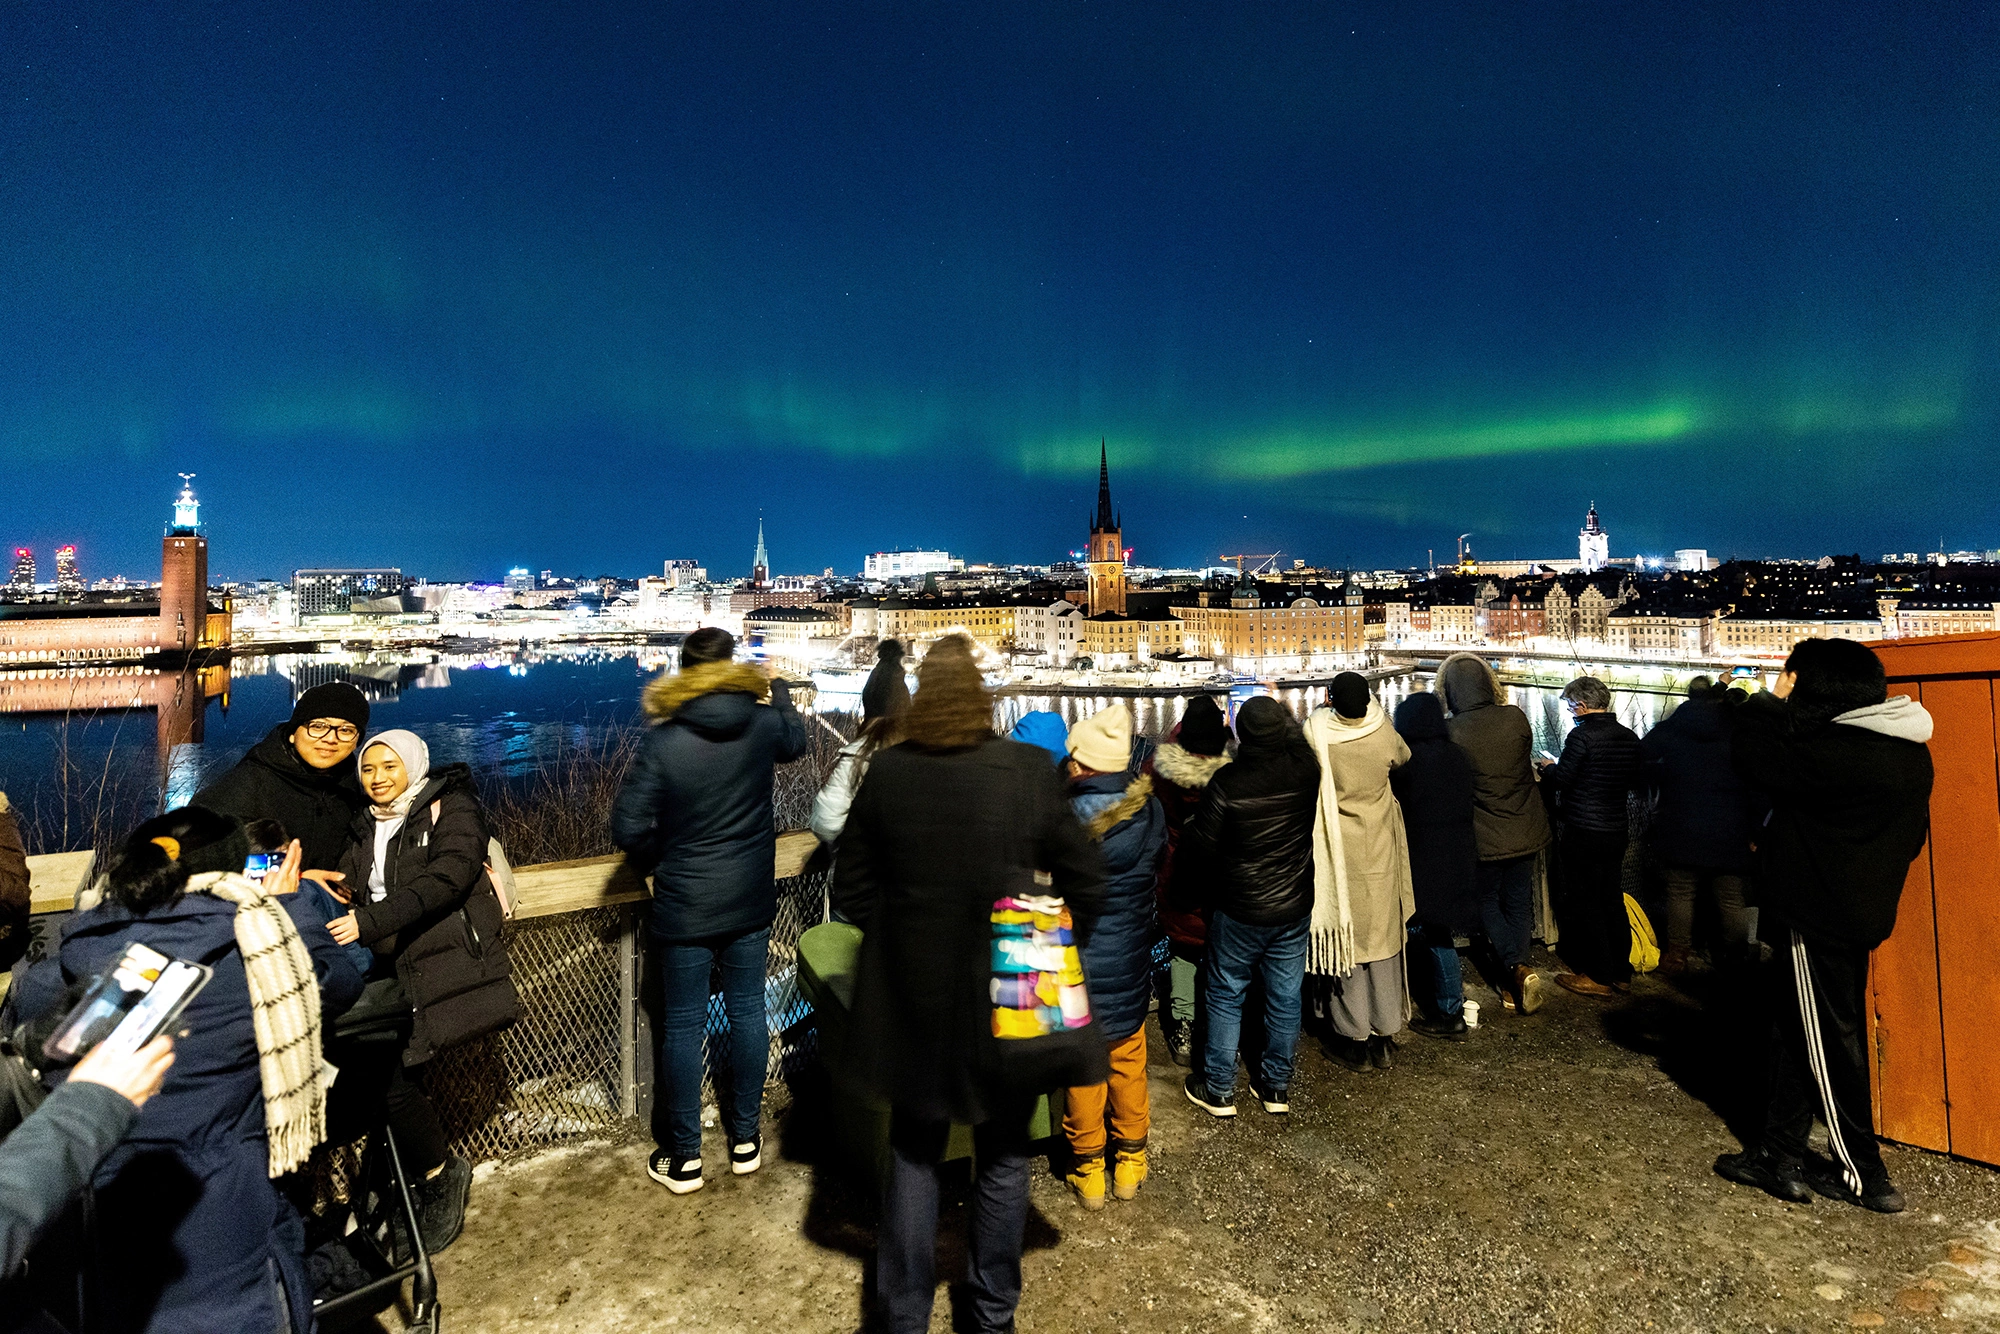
point(1645, 945)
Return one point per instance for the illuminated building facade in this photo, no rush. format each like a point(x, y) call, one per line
point(23, 578)
point(68, 582)
point(1593, 544)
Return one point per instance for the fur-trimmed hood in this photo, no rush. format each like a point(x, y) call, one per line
point(1105, 802)
point(1184, 768)
point(666, 695)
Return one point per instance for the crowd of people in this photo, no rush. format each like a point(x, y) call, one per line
point(1025, 902)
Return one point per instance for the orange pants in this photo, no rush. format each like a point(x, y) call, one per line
point(1131, 1114)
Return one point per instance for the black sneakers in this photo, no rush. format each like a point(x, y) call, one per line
point(1767, 1172)
point(441, 1202)
point(1198, 1093)
point(1824, 1176)
point(1276, 1101)
point(1352, 1054)
point(1450, 1027)
point(682, 1176)
point(1180, 1041)
point(747, 1157)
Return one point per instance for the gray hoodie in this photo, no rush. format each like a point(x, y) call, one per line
point(1508, 815)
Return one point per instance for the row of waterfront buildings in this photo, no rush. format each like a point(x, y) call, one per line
point(1096, 611)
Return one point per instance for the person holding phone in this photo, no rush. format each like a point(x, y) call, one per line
point(189, 1229)
point(50, 1156)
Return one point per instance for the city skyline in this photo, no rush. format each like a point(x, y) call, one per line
point(472, 289)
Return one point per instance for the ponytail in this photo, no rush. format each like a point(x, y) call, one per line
point(152, 867)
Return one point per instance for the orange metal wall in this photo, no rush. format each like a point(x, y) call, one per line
point(1935, 983)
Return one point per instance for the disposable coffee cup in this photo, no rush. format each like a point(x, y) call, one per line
point(1472, 1014)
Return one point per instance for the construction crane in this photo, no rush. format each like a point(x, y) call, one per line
point(1262, 561)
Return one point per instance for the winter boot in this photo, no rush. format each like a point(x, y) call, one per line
point(1086, 1178)
point(1128, 1167)
point(441, 1204)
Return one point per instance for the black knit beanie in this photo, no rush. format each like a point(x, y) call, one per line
point(335, 699)
point(887, 694)
point(1349, 695)
point(1203, 729)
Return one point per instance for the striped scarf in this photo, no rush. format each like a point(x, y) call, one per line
point(284, 1010)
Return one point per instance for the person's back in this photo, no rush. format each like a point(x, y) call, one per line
point(697, 804)
point(1254, 827)
point(1499, 744)
point(1600, 766)
point(945, 826)
point(1850, 809)
point(1434, 788)
point(1704, 815)
point(696, 808)
point(1848, 774)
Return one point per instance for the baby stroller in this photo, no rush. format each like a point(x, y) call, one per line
point(359, 1272)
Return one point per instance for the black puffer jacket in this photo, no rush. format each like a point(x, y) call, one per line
point(1254, 828)
point(696, 807)
point(1706, 811)
point(439, 919)
point(1850, 810)
point(316, 806)
point(1599, 767)
point(1123, 815)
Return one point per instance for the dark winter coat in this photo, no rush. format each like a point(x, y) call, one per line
point(1255, 828)
point(1509, 816)
point(1600, 766)
point(1434, 789)
point(1121, 813)
point(1179, 779)
point(48, 1160)
point(696, 807)
point(189, 1231)
point(1705, 816)
point(316, 806)
point(439, 920)
point(1850, 810)
point(15, 894)
point(934, 838)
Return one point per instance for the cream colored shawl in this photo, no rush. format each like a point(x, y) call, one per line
point(1330, 946)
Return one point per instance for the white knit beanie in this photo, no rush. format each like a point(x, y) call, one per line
point(1103, 741)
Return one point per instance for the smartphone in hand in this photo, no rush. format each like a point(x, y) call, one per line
point(136, 1000)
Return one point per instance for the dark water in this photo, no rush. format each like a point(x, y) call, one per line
point(77, 777)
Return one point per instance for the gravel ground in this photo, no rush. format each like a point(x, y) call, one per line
point(1550, 1174)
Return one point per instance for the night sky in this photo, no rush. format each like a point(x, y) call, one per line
point(456, 287)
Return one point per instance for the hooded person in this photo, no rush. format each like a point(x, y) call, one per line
point(1847, 771)
point(950, 825)
point(1509, 819)
point(1118, 811)
point(187, 1227)
point(696, 810)
point(416, 878)
point(1362, 899)
point(885, 699)
point(299, 774)
point(1254, 832)
point(1435, 791)
point(1181, 768)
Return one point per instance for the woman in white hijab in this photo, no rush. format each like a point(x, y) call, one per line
point(1362, 895)
point(423, 902)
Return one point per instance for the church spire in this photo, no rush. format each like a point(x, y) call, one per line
point(760, 564)
point(1106, 520)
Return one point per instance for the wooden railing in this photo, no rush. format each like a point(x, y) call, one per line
point(546, 890)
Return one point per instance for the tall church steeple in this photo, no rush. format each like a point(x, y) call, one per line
point(760, 564)
point(1107, 549)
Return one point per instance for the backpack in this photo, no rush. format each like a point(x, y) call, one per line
point(499, 871)
point(1645, 945)
point(1046, 1036)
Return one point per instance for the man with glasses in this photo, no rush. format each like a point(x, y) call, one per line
point(301, 775)
point(1599, 767)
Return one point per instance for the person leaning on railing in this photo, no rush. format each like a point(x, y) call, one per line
point(696, 809)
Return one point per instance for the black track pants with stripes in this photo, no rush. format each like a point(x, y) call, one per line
point(1818, 997)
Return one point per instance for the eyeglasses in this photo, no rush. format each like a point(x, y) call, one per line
point(333, 731)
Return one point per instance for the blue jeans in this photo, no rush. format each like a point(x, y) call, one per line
point(1277, 954)
point(1507, 909)
point(1434, 974)
point(684, 972)
point(996, 1218)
